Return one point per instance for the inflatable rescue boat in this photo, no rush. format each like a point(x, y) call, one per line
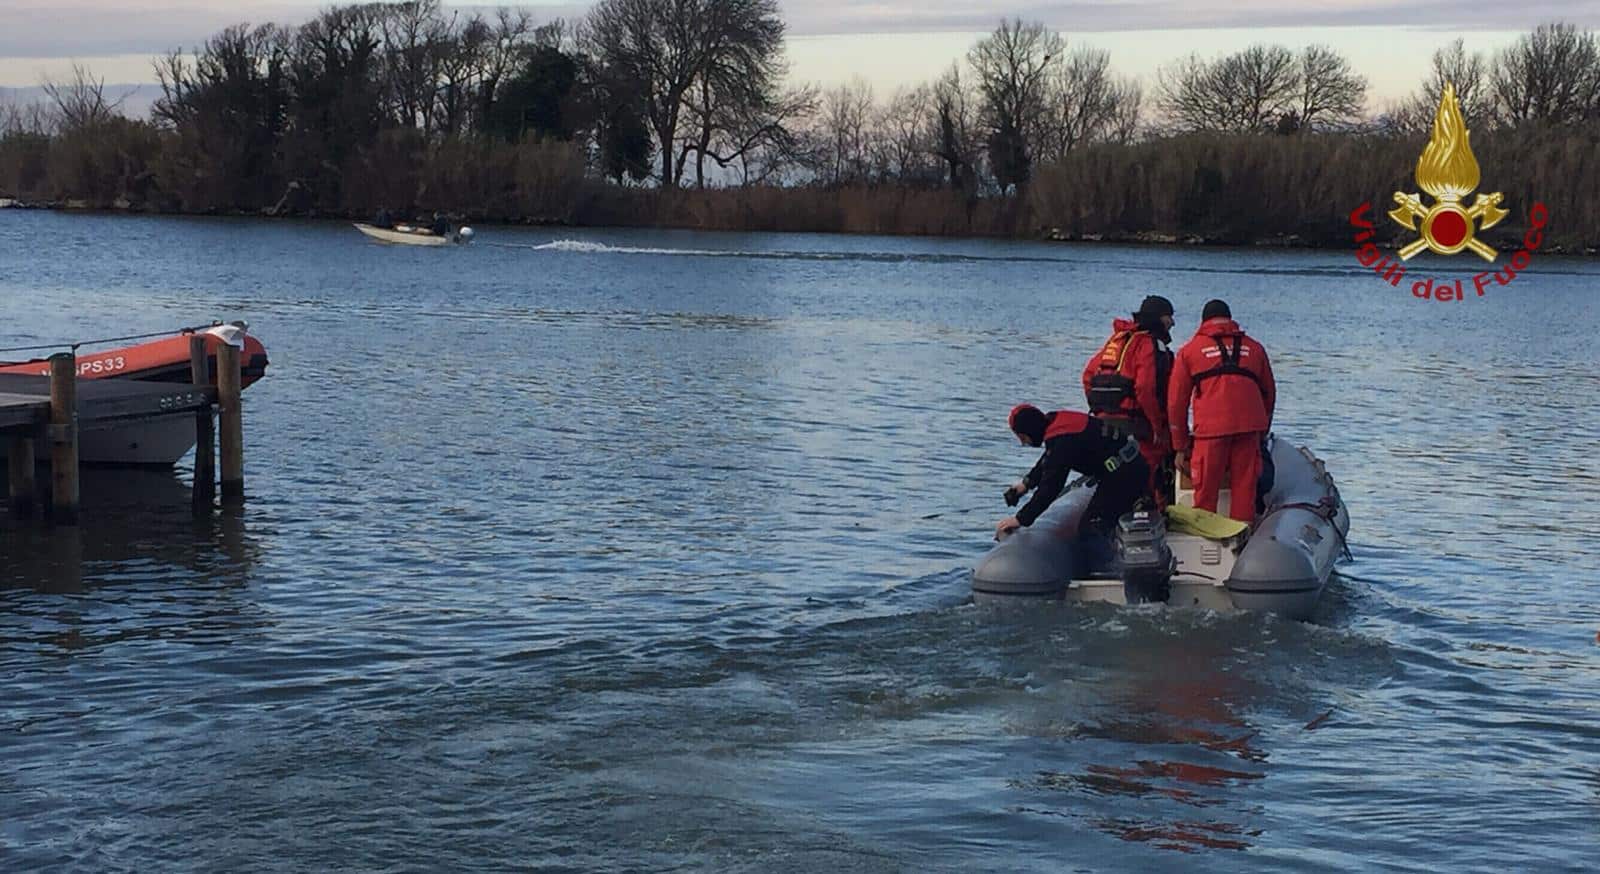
point(160, 441)
point(1185, 557)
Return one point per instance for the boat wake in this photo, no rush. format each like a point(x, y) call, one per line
point(589, 247)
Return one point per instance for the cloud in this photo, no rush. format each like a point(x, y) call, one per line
point(91, 28)
point(886, 16)
point(115, 27)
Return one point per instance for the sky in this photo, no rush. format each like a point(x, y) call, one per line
point(888, 43)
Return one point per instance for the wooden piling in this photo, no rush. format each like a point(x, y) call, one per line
point(205, 438)
point(63, 433)
point(20, 454)
point(230, 420)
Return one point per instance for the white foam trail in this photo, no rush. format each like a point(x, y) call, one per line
point(588, 247)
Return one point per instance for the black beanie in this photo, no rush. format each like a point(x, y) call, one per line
point(1153, 307)
point(1028, 421)
point(1214, 309)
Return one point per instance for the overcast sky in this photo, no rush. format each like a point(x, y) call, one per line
point(888, 42)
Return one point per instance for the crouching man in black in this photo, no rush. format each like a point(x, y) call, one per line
point(1075, 441)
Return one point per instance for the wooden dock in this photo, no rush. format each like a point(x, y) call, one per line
point(41, 417)
point(25, 401)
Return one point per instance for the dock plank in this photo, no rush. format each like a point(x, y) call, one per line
point(22, 410)
point(25, 399)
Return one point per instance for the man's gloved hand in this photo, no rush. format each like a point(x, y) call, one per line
point(1015, 493)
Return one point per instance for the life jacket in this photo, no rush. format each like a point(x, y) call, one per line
point(1109, 389)
point(1113, 396)
point(1064, 422)
point(1228, 363)
point(1068, 422)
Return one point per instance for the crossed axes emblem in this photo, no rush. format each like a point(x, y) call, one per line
point(1456, 230)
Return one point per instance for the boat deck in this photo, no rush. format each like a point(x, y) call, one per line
point(25, 401)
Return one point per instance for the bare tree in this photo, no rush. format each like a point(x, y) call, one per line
point(1127, 112)
point(767, 142)
point(1550, 76)
point(228, 110)
point(1248, 91)
point(1331, 94)
point(508, 37)
point(651, 43)
point(1013, 67)
point(847, 113)
point(737, 86)
point(671, 47)
point(1261, 82)
point(903, 145)
point(1185, 95)
point(1450, 65)
point(80, 102)
point(1081, 102)
point(414, 34)
point(460, 62)
point(955, 123)
point(32, 119)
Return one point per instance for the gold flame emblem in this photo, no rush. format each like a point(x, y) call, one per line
point(1448, 171)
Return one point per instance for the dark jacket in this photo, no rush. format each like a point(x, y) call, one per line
point(1074, 441)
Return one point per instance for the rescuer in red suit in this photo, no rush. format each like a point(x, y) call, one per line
point(1074, 441)
point(1229, 378)
point(1126, 385)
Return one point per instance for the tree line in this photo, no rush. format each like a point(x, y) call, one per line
point(682, 111)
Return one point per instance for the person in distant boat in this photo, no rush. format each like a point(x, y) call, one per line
point(1126, 385)
point(440, 225)
point(1074, 441)
point(383, 219)
point(1227, 376)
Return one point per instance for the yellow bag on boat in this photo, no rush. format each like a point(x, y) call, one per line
point(1203, 523)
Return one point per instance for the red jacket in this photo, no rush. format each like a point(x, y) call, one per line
point(1224, 402)
point(1139, 365)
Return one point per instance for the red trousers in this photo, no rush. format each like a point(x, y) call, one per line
point(1154, 456)
point(1235, 461)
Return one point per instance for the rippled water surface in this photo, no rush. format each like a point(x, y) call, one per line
point(593, 550)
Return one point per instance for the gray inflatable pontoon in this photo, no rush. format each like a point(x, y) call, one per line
point(1280, 566)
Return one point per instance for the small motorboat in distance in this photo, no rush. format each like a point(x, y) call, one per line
point(412, 235)
point(160, 441)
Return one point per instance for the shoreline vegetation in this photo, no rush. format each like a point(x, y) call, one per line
point(677, 114)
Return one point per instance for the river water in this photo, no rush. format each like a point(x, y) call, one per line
point(610, 550)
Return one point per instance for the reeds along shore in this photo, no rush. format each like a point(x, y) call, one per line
point(1211, 188)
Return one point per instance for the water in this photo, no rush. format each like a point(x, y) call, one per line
point(604, 550)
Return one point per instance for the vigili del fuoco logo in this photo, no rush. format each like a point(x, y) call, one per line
point(1448, 172)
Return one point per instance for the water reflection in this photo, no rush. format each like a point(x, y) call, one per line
point(1167, 757)
point(166, 573)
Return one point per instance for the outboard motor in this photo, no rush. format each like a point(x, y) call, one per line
point(1147, 561)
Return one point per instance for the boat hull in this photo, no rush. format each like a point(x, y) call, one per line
point(410, 237)
point(1282, 566)
point(159, 442)
point(164, 440)
point(162, 360)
